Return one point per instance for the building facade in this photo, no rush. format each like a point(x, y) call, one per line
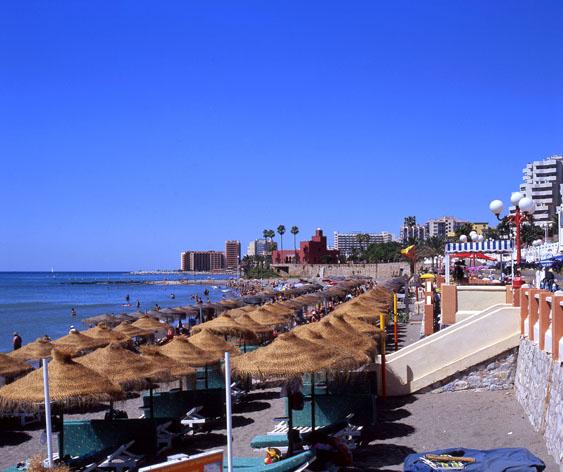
point(202, 261)
point(314, 251)
point(259, 247)
point(543, 182)
point(232, 254)
point(345, 243)
point(442, 227)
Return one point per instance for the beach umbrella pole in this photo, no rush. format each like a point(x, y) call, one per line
point(313, 401)
point(48, 424)
point(229, 412)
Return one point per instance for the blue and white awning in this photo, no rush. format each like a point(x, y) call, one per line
point(503, 245)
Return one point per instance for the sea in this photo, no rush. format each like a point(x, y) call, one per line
point(38, 303)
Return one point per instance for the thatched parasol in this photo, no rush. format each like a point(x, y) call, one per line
point(10, 367)
point(213, 344)
point(69, 383)
point(106, 334)
point(130, 371)
point(38, 349)
point(232, 303)
point(279, 309)
point(149, 323)
point(106, 318)
point(346, 337)
point(267, 318)
point(295, 304)
point(183, 351)
point(291, 356)
point(131, 331)
point(226, 325)
point(257, 328)
point(349, 322)
point(76, 343)
point(176, 368)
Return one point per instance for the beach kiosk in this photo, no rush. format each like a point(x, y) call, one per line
point(499, 248)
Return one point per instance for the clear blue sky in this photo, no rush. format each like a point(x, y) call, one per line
point(130, 131)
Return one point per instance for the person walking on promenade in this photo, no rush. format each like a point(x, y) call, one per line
point(16, 341)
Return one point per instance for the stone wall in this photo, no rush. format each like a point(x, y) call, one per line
point(539, 389)
point(379, 272)
point(497, 373)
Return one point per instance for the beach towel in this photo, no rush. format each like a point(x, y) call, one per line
point(492, 460)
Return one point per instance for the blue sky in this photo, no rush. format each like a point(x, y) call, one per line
point(130, 131)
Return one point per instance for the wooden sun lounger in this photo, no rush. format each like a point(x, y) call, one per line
point(121, 460)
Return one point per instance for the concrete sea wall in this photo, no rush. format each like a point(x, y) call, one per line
point(539, 389)
point(379, 272)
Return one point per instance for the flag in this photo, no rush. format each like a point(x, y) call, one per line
point(409, 252)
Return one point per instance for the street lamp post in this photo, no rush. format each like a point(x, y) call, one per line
point(525, 207)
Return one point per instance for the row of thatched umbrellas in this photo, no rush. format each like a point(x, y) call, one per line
point(106, 373)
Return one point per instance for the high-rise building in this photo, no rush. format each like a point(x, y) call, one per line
point(202, 261)
point(444, 226)
point(347, 242)
point(543, 183)
point(232, 254)
point(259, 247)
point(411, 230)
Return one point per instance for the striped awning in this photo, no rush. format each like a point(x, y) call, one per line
point(503, 245)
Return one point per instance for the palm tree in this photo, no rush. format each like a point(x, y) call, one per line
point(281, 232)
point(294, 230)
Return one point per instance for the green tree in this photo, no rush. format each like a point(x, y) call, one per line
point(281, 232)
point(295, 231)
point(465, 228)
point(383, 252)
point(529, 232)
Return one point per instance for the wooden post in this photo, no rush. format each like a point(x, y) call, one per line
point(428, 310)
point(395, 334)
point(533, 313)
point(544, 316)
point(524, 309)
point(556, 325)
point(383, 367)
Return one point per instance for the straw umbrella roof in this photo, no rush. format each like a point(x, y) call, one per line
point(136, 314)
point(107, 318)
point(38, 349)
point(106, 334)
point(350, 322)
point(209, 342)
point(76, 342)
point(183, 351)
point(246, 321)
point(295, 304)
point(267, 318)
point(149, 323)
point(176, 368)
point(231, 303)
point(125, 368)
point(126, 317)
point(70, 383)
point(131, 331)
point(226, 325)
point(279, 309)
point(352, 343)
point(291, 356)
point(10, 367)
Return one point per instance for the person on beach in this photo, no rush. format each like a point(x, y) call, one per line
point(72, 329)
point(16, 341)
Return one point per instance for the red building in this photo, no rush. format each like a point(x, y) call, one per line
point(314, 251)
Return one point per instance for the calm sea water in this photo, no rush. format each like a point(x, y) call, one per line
point(38, 303)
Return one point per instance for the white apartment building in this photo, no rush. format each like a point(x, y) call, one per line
point(543, 182)
point(441, 227)
point(346, 242)
point(257, 247)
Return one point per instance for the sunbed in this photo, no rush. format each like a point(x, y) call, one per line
point(295, 463)
point(121, 459)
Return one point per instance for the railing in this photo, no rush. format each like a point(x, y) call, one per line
point(541, 319)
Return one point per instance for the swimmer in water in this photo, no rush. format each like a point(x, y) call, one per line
point(72, 312)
